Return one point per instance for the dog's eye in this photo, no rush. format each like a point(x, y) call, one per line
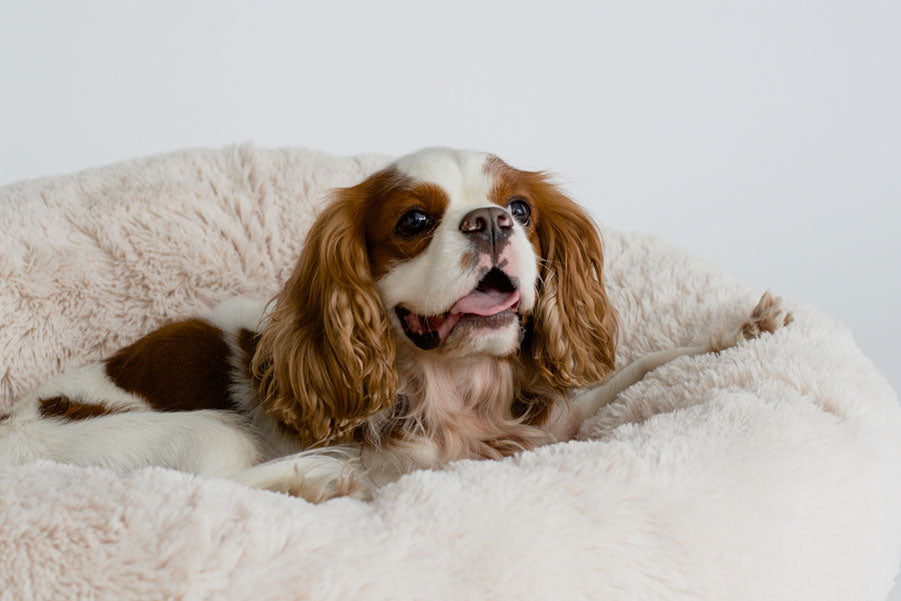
point(520, 210)
point(412, 223)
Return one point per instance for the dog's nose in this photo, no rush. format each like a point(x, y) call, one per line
point(488, 228)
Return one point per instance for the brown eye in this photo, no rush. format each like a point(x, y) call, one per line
point(412, 223)
point(520, 210)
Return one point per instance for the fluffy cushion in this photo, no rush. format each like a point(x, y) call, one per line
point(770, 471)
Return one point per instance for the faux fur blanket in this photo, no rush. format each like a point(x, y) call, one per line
point(771, 471)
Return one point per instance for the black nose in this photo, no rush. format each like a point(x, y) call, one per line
point(487, 228)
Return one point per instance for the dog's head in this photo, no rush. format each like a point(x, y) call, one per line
point(444, 252)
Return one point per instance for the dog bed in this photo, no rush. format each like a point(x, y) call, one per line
point(770, 471)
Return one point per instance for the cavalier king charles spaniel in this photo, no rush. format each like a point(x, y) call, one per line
point(447, 307)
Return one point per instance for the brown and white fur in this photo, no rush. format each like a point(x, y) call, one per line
point(447, 307)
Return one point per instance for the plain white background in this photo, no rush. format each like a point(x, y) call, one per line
point(763, 135)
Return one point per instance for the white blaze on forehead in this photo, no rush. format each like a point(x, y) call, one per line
point(460, 173)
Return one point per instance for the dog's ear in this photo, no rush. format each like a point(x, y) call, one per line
point(326, 357)
point(573, 334)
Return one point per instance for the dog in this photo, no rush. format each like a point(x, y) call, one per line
point(448, 307)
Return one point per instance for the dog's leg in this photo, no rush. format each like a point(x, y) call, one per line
point(768, 316)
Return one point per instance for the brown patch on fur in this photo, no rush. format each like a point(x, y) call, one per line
point(3, 417)
point(574, 336)
point(387, 195)
point(65, 408)
point(183, 366)
point(325, 360)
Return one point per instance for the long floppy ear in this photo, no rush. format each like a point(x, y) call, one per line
point(326, 358)
point(573, 336)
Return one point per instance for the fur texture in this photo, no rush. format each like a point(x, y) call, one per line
point(767, 471)
point(326, 361)
point(444, 308)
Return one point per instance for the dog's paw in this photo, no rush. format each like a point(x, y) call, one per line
point(318, 488)
point(768, 316)
point(316, 475)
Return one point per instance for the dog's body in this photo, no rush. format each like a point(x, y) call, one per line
point(447, 307)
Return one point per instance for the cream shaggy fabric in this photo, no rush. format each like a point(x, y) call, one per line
point(768, 472)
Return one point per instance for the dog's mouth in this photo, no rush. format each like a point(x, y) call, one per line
point(492, 303)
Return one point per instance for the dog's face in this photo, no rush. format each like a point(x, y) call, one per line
point(453, 249)
point(442, 254)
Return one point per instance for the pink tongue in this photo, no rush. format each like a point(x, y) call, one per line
point(476, 302)
point(486, 303)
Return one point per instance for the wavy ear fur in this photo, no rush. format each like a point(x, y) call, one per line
point(326, 358)
point(573, 336)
